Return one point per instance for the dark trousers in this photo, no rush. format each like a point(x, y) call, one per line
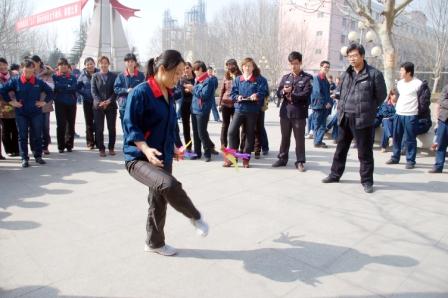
point(249, 120)
point(388, 130)
point(200, 134)
point(111, 118)
point(24, 124)
point(334, 126)
point(65, 121)
point(215, 110)
point(297, 126)
point(364, 142)
point(320, 122)
point(185, 112)
point(261, 137)
point(46, 138)
point(405, 126)
point(90, 123)
point(10, 136)
point(163, 189)
point(45, 134)
point(442, 139)
point(227, 114)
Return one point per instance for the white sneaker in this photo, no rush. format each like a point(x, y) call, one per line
point(309, 136)
point(165, 250)
point(201, 227)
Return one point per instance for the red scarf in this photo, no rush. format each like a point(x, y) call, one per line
point(31, 80)
point(4, 77)
point(202, 78)
point(128, 74)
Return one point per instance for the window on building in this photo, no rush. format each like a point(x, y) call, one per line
point(341, 58)
point(320, 14)
point(318, 51)
point(343, 39)
point(344, 22)
point(353, 25)
point(319, 33)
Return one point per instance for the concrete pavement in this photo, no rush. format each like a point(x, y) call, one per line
point(76, 228)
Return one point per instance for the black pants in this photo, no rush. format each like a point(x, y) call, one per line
point(65, 120)
point(185, 111)
point(200, 135)
point(111, 118)
point(227, 114)
point(261, 137)
point(364, 143)
point(10, 136)
point(163, 189)
point(90, 123)
point(249, 120)
point(296, 126)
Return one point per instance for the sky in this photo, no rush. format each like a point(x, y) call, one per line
point(138, 30)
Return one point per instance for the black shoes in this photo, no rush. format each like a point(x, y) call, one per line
point(391, 162)
point(368, 188)
point(208, 159)
point(25, 164)
point(300, 166)
point(330, 179)
point(214, 152)
point(410, 166)
point(40, 161)
point(435, 171)
point(279, 163)
point(320, 145)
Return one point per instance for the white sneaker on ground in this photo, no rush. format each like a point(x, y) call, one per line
point(165, 250)
point(201, 227)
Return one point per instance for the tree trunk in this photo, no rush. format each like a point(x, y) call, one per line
point(389, 57)
point(436, 83)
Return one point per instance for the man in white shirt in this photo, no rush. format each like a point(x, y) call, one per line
point(406, 118)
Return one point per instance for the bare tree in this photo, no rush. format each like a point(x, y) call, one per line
point(383, 27)
point(438, 18)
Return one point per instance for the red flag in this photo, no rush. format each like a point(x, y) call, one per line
point(64, 12)
point(124, 11)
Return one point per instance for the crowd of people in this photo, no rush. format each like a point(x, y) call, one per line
point(352, 107)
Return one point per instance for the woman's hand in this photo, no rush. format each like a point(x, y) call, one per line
point(254, 97)
point(16, 104)
point(40, 103)
point(151, 154)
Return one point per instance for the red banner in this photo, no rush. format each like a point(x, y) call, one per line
point(64, 12)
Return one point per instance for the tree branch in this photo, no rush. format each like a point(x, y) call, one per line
point(401, 7)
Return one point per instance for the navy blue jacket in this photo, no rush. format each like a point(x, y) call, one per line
point(123, 82)
point(179, 90)
point(27, 93)
point(320, 96)
point(386, 110)
point(302, 87)
point(148, 117)
point(84, 85)
point(65, 87)
point(203, 95)
point(245, 88)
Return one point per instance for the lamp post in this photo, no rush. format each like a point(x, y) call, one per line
point(370, 37)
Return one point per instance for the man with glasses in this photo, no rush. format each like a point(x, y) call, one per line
point(321, 103)
point(361, 91)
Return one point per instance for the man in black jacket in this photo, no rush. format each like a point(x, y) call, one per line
point(362, 90)
point(295, 88)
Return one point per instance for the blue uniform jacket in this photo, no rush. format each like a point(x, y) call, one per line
point(386, 110)
point(123, 82)
point(203, 95)
point(246, 88)
point(320, 95)
point(84, 85)
point(65, 87)
point(148, 117)
point(27, 93)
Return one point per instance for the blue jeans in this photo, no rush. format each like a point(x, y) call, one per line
point(215, 110)
point(310, 126)
point(334, 124)
point(442, 139)
point(388, 131)
point(320, 121)
point(33, 123)
point(405, 126)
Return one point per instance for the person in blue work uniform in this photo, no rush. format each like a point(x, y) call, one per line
point(126, 81)
point(211, 74)
point(249, 92)
point(149, 126)
point(321, 103)
point(203, 96)
point(85, 91)
point(28, 107)
point(65, 87)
